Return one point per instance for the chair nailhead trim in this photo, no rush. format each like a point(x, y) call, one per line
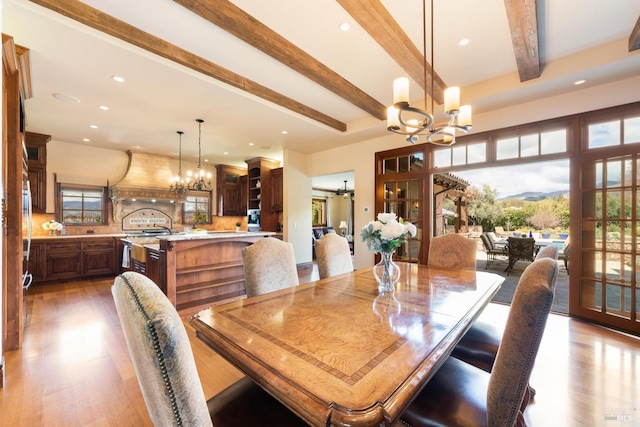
point(158, 350)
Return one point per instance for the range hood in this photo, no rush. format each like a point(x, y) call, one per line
point(146, 179)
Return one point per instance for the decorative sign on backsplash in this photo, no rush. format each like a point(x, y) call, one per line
point(146, 219)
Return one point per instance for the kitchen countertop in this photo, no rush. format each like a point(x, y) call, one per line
point(78, 236)
point(146, 240)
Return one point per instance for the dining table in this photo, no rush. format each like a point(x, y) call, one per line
point(337, 352)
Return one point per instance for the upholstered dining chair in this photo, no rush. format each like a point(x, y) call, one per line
point(269, 265)
point(452, 251)
point(333, 255)
point(461, 394)
point(549, 251)
point(480, 343)
point(163, 361)
point(564, 254)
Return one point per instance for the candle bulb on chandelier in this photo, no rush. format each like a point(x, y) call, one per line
point(464, 119)
point(401, 90)
point(452, 100)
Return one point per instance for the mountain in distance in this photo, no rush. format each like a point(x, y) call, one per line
point(535, 196)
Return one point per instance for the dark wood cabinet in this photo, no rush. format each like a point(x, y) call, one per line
point(276, 190)
point(153, 266)
point(260, 191)
point(36, 145)
point(63, 260)
point(67, 258)
point(99, 257)
point(36, 264)
point(229, 190)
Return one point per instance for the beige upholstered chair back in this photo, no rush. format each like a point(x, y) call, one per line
point(333, 255)
point(452, 251)
point(520, 342)
point(549, 251)
point(161, 353)
point(269, 265)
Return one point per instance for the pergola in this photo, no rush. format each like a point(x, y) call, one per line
point(446, 185)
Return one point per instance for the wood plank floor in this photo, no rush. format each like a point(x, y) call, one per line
point(74, 367)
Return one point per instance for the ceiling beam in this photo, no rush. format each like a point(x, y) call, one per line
point(105, 23)
point(634, 38)
point(378, 22)
point(523, 24)
point(234, 20)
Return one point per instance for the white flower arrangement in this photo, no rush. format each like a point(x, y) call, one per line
point(387, 233)
point(52, 225)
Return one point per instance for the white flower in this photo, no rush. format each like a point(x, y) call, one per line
point(52, 225)
point(386, 218)
point(386, 234)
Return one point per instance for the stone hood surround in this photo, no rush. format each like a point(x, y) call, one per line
point(146, 179)
point(145, 184)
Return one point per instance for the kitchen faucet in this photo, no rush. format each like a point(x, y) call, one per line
point(165, 228)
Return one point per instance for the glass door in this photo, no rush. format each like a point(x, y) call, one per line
point(609, 247)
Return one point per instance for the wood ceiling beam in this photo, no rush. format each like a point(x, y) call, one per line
point(236, 21)
point(108, 24)
point(634, 38)
point(523, 24)
point(378, 22)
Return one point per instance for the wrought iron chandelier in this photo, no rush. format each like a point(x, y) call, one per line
point(197, 182)
point(404, 119)
point(345, 193)
point(176, 184)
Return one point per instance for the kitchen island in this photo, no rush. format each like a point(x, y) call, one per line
point(194, 270)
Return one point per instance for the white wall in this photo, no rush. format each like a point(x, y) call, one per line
point(296, 190)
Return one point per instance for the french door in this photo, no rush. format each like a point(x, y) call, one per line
point(608, 244)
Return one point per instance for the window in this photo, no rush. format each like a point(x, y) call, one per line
point(319, 212)
point(197, 209)
point(532, 145)
point(460, 155)
point(81, 205)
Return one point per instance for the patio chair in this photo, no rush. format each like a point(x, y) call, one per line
point(491, 250)
point(520, 249)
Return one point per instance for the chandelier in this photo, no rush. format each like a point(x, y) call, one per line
point(197, 182)
point(345, 193)
point(404, 119)
point(176, 184)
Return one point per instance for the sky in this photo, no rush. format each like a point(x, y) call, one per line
point(510, 180)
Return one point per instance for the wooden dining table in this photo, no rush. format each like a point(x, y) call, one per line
point(336, 352)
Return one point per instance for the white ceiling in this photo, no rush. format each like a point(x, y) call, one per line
point(578, 39)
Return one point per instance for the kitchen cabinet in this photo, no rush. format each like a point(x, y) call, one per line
point(229, 190)
point(56, 259)
point(36, 145)
point(153, 266)
point(63, 260)
point(99, 257)
point(276, 190)
point(37, 261)
point(259, 183)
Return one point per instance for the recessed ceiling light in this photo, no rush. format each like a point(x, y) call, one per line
point(103, 107)
point(137, 147)
point(118, 79)
point(66, 98)
point(579, 82)
point(85, 140)
point(225, 153)
point(463, 42)
point(345, 26)
point(284, 132)
point(251, 144)
point(93, 126)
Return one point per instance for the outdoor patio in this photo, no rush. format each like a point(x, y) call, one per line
point(505, 294)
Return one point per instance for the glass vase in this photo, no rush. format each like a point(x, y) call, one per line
point(386, 272)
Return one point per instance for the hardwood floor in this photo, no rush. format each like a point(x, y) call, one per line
point(74, 367)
